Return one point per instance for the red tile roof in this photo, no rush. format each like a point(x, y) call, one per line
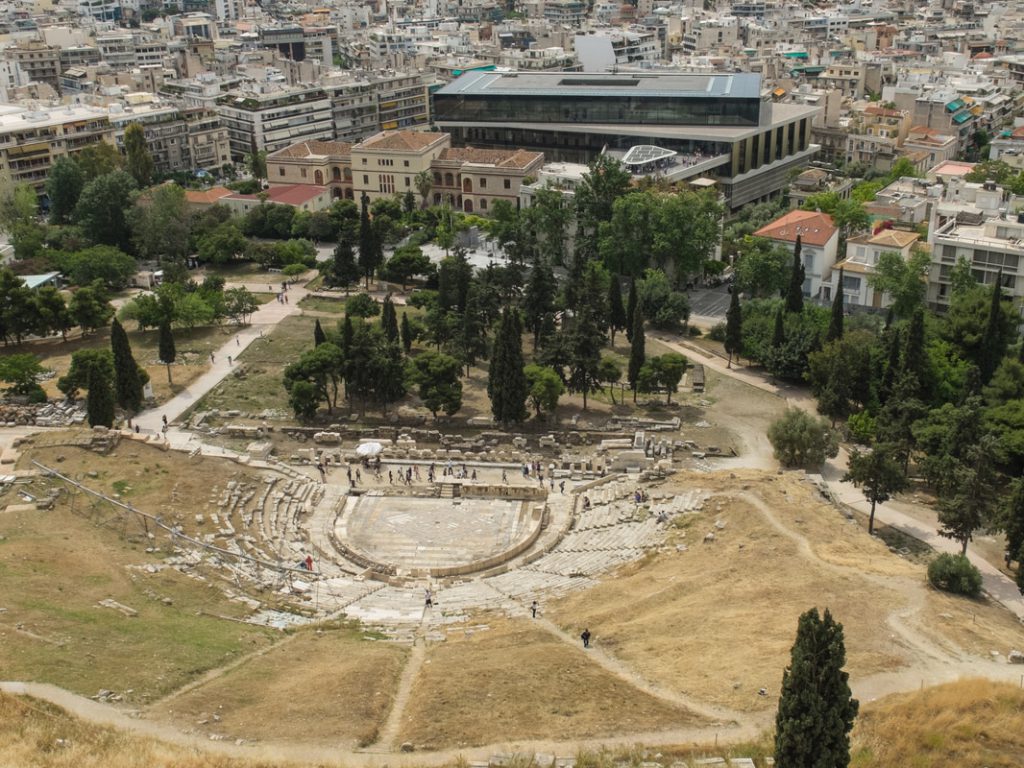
point(206, 196)
point(813, 228)
point(287, 194)
point(407, 141)
point(501, 158)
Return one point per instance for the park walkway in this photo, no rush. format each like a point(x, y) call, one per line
point(263, 322)
point(1000, 586)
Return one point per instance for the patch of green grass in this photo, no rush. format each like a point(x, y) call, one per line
point(323, 304)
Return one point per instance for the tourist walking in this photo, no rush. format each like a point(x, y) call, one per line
point(585, 637)
point(533, 609)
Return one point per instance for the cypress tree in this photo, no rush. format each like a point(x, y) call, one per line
point(779, 332)
point(616, 312)
point(343, 268)
point(99, 403)
point(319, 337)
point(734, 327)
point(127, 377)
point(506, 381)
point(369, 247)
point(992, 343)
point(1012, 523)
point(892, 367)
point(389, 319)
point(795, 292)
point(631, 303)
point(816, 708)
point(539, 298)
point(168, 352)
point(406, 333)
point(637, 350)
point(915, 357)
point(835, 326)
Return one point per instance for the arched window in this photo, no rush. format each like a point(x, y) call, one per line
point(483, 205)
point(467, 185)
point(449, 180)
point(437, 178)
point(318, 177)
point(467, 205)
point(336, 173)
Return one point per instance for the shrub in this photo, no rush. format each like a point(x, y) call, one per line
point(717, 333)
point(802, 440)
point(694, 331)
point(956, 574)
point(294, 269)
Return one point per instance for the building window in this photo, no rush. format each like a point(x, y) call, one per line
point(483, 204)
point(366, 179)
point(387, 183)
point(405, 163)
point(280, 171)
point(364, 161)
point(408, 181)
point(508, 183)
point(483, 183)
point(303, 172)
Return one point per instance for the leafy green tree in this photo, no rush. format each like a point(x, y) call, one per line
point(762, 267)
point(21, 371)
point(304, 400)
point(63, 186)
point(880, 475)
point(111, 266)
point(128, 377)
point(835, 326)
point(637, 350)
point(816, 707)
point(16, 307)
point(733, 327)
point(240, 304)
point(848, 215)
point(89, 307)
point(668, 370)
point(362, 305)
point(101, 211)
point(167, 348)
point(604, 182)
point(407, 262)
point(506, 382)
point(82, 363)
point(51, 312)
point(137, 157)
point(471, 338)
point(99, 159)
point(978, 329)
point(797, 275)
point(454, 276)
point(545, 387)
point(222, 245)
point(903, 280)
point(99, 402)
point(436, 375)
point(914, 359)
point(424, 182)
point(389, 319)
point(801, 440)
point(663, 307)
point(161, 224)
point(973, 502)
point(995, 341)
point(609, 372)
point(961, 279)
point(388, 371)
point(322, 367)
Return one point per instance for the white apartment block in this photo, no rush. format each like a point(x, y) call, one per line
point(275, 117)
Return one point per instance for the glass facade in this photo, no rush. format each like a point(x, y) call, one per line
point(632, 110)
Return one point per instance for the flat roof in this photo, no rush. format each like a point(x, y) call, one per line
point(738, 85)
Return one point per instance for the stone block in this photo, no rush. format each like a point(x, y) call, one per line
point(327, 438)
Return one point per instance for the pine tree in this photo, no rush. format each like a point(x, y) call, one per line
point(914, 359)
point(319, 337)
point(99, 403)
point(795, 292)
point(779, 332)
point(1012, 522)
point(631, 303)
point(369, 246)
point(616, 311)
point(406, 333)
point(168, 352)
point(506, 381)
point(587, 336)
point(637, 350)
point(734, 327)
point(128, 379)
point(472, 335)
point(343, 270)
point(539, 298)
point(816, 708)
point(993, 345)
point(835, 326)
point(389, 319)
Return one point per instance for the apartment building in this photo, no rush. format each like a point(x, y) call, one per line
point(275, 117)
point(31, 141)
point(819, 244)
point(711, 35)
point(390, 162)
point(570, 12)
point(38, 61)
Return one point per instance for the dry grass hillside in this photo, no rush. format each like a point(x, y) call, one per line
point(967, 724)
point(515, 681)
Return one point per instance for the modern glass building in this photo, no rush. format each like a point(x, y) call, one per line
point(720, 125)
